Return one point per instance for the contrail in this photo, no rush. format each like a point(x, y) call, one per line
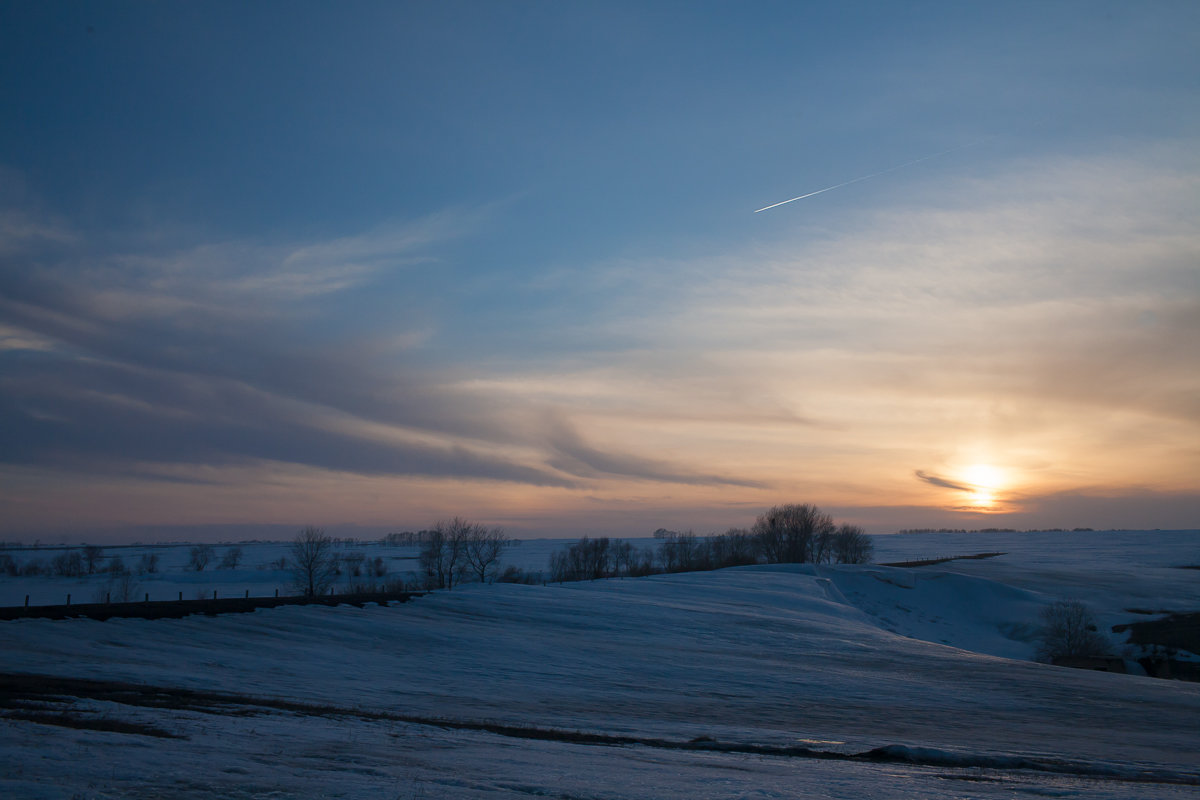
point(872, 175)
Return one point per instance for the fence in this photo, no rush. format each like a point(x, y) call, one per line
point(174, 609)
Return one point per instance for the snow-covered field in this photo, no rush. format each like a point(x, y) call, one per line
point(706, 685)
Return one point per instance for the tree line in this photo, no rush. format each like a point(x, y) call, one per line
point(785, 534)
point(77, 563)
point(454, 551)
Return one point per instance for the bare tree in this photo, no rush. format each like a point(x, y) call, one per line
point(624, 557)
point(122, 587)
point(199, 557)
point(1069, 631)
point(313, 562)
point(735, 547)
point(92, 553)
point(68, 564)
point(681, 552)
point(586, 560)
point(354, 563)
point(148, 563)
point(851, 545)
point(484, 547)
point(231, 559)
point(792, 534)
point(443, 552)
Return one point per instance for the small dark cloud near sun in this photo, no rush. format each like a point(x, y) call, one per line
point(942, 482)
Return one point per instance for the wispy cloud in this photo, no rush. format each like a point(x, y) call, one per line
point(573, 455)
point(180, 360)
point(945, 483)
point(1042, 319)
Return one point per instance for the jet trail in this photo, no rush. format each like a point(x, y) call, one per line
point(872, 175)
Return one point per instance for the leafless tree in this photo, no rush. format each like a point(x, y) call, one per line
point(586, 560)
point(681, 552)
point(68, 564)
point(735, 547)
point(199, 557)
point(231, 559)
point(792, 533)
point(624, 558)
point(121, 587)
point(354, 563)
point(1069, 631)
point(851, 545)
point(148, 563)
point(313, 562)
point(443, 553)
point(484, 547)
point(92, 553)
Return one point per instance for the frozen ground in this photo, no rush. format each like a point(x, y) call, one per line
point(748, 665)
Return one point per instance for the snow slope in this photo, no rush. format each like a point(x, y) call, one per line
point(767, 657)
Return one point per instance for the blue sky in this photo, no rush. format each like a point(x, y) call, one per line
point(379, 263)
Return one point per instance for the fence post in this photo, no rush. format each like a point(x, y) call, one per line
point(108, 598)
point(214, 594)
point(68, 598)
point(147, 597)
point(181, 597)
point(27, 601)
point(277, 591)
point(247, 594)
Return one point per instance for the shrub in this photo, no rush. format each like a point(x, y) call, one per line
point(1069, 631)
point(120, 588)
point(514, 574)
point(354, 563)
point(231, 559)
point(148, 563)
point(68, 564)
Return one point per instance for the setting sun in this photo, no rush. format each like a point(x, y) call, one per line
point(984, 481)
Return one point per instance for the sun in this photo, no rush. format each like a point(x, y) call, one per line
point(984, 476)
point(984, 481)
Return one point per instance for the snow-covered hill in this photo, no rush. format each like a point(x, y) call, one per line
point(747, 664)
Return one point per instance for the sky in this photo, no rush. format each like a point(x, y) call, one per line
point(371, 265)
